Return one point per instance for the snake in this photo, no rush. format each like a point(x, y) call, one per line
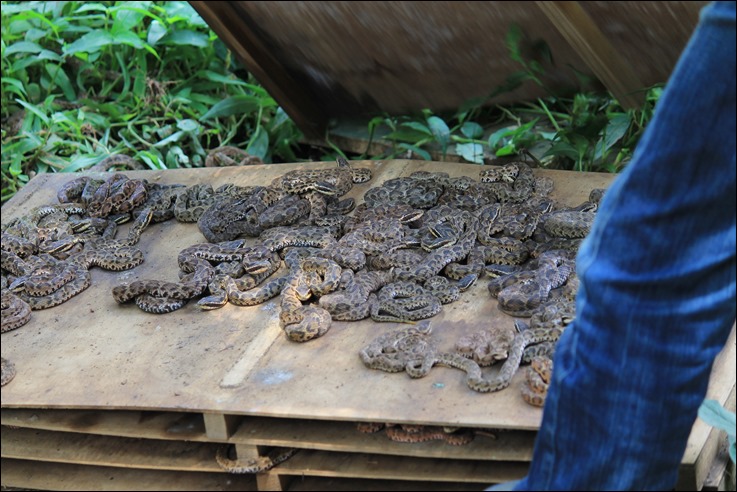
point(411, 433)
point(336, 181)
point(537, 381)
point(227, 155)
point(520, 293)
point(161, 297)
point(261, 464)
point(354, 302)
point(7, 371)
point(411, 350)
point(404, 301)
point(546, 325)
point(15, 311)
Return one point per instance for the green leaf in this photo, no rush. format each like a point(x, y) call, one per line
point(48, 55)
point(156, 31)
point(23, 47)
point(59, 77)
point(129, 38)
point(472, 152)
point(174, 137)
point(616, 128)
point(562, 149)
point(509, 149)
point(18, 87)
point(496, 137)
point(512, 39)
point(33, 109)
point(91, 7)
point(259, 144)
point(81, 162)
point(189, 126)
point(440, 131)
point(129, 15)
point(471, 129)
point(186, 37)
point(232, 105)
point(421, 152)
point(407, 135)
point(90, 42)
point(416, 125)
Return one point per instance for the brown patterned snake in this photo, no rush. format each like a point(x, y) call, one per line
point(411, 350)
point(546, 325)
point(15, 311)
point(258, 465)
point(537, 380)
point(8, 371)
point(419, 433)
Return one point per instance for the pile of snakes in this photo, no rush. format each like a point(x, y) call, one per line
point(413, 245)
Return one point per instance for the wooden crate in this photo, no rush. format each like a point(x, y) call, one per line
point(104, 390)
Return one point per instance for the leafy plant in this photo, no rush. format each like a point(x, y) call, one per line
point(83, 80)
point(586, 132)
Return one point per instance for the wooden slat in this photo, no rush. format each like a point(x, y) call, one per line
point(585, 37)
point(234, 28)
point(61, 476)
point(125, 452)
point(149, 425)
point(299, 484)
point(360, 465)
point(343, 437)
point(219, 426)
point(704, 440)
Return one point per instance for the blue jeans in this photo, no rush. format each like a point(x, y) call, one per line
point(657, 296)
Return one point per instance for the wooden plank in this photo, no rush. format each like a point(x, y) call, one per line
point(360, 59)
point(125, 452)
point(150, 425)
point(360, 465)
point(234, 27)
point(718, 476)
point(62, 476)
point(343, 437)
point(604, 60)
point(91, 353)
point(116, 357)
point(306, 483)
point(219, 426)
point(703, 442)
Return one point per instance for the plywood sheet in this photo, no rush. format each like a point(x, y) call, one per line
point(126, 452)
point(150, 425)
point(91, 353)
point(63, 476)
point(344, 437)
point(335, 59)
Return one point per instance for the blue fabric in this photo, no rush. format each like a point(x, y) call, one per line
point(657, 295)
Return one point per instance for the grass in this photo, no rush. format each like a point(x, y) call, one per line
point(150, 79)
point(83, 80)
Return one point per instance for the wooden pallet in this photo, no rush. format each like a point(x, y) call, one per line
point(164, 391)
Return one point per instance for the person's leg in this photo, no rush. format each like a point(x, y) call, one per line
point(657, 296)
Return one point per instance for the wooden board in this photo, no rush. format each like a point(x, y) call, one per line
point(62, 476)
point(150, 425)
point(360, 465)
point(101, 368)
point(344, 437)
point(332, 60)
point(92, 353)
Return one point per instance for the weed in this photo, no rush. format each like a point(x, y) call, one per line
point(150, 79)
